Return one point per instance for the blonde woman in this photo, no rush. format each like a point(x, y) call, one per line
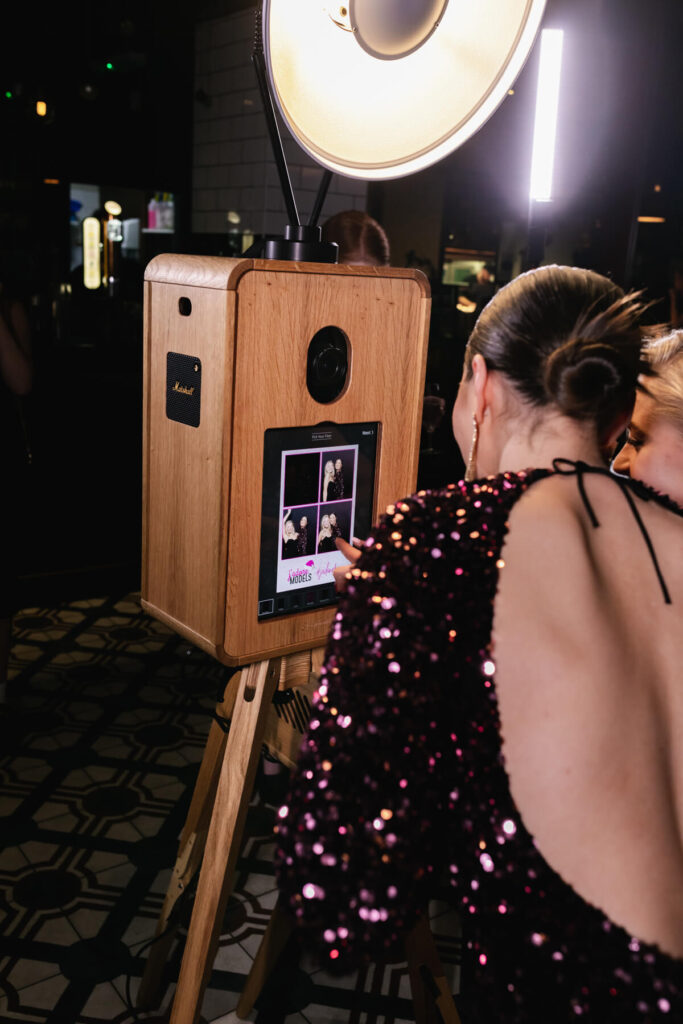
point(653, 452)
point(290, 536)
point(326, 536)
point(328, 481)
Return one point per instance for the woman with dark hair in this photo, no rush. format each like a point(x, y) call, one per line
point(500, 702)
point(339, 478)
point(360, 238)
point(302, 536)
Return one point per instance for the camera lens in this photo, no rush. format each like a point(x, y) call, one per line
point(328, 364)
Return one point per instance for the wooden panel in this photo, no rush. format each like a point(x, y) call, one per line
point(224, 273)
point(199, 271)
point(185, 481)
point(336, 270)
point(280, 307)
point(199, 640)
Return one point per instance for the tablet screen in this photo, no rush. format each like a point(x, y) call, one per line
point(318, 484)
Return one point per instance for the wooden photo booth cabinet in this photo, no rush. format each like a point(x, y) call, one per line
point(246, 325)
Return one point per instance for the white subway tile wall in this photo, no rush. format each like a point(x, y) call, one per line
point(233, 165)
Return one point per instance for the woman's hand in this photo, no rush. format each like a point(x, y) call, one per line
point(352, 554)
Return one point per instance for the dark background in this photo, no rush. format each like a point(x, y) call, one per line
point(130, 127)
point(302, 473)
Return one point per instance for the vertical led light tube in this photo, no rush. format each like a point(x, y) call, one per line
point(92, 274)
point(545, 122)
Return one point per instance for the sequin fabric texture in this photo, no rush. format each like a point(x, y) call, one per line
point(401, 783)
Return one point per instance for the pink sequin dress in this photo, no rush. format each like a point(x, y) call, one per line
point(401, 784)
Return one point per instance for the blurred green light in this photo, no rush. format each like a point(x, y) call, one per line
point(109, 66)
point(8, 94)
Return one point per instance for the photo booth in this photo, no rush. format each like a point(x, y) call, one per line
point(233, 349)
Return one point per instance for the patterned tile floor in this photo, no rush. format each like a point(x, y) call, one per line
point(100, 743)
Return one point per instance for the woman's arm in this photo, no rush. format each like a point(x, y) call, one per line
point(15, 350)
point(284, 535)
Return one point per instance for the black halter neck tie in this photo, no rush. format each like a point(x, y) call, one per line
point(567, 467)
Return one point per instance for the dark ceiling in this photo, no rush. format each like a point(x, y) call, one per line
point(131, 123)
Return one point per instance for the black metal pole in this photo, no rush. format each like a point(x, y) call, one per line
point(320, 198)
point(259, 63)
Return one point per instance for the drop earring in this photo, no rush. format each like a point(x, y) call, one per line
point(471, 471)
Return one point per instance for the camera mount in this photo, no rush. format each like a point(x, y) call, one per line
point(300, 242)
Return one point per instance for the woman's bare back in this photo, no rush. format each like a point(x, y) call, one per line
point(588, 675)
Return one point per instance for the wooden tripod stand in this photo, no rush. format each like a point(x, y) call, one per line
point(212, 836)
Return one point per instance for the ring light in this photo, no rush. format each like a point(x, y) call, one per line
point(378, 89)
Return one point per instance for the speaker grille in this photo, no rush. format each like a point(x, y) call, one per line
point(183, 388)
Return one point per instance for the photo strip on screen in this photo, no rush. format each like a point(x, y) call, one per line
point(336, 480)
point(299, 531)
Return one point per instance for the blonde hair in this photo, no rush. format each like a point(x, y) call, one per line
point(665, 386)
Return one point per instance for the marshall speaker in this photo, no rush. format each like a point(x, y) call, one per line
point(282, 409)
point(183, 388)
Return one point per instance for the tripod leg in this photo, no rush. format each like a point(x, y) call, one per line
point(235, 784)
point(432, 997)
point(273, 942)
point(187, 864)
point(190, 850)
point(201, 806)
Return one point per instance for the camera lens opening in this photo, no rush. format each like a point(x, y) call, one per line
point(327, 367)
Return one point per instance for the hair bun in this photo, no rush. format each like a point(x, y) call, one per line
point(580, 375)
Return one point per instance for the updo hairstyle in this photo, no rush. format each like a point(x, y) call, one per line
point(564, 337)
point(665, 358)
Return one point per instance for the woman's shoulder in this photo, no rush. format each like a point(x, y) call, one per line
point(564, 547)
point(554, 502)
point(467, 518)
point(575, 499)
point(531, 500)
point(537, 515)
point(462, 500)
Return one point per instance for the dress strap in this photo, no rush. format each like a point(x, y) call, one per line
point(566, 467)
